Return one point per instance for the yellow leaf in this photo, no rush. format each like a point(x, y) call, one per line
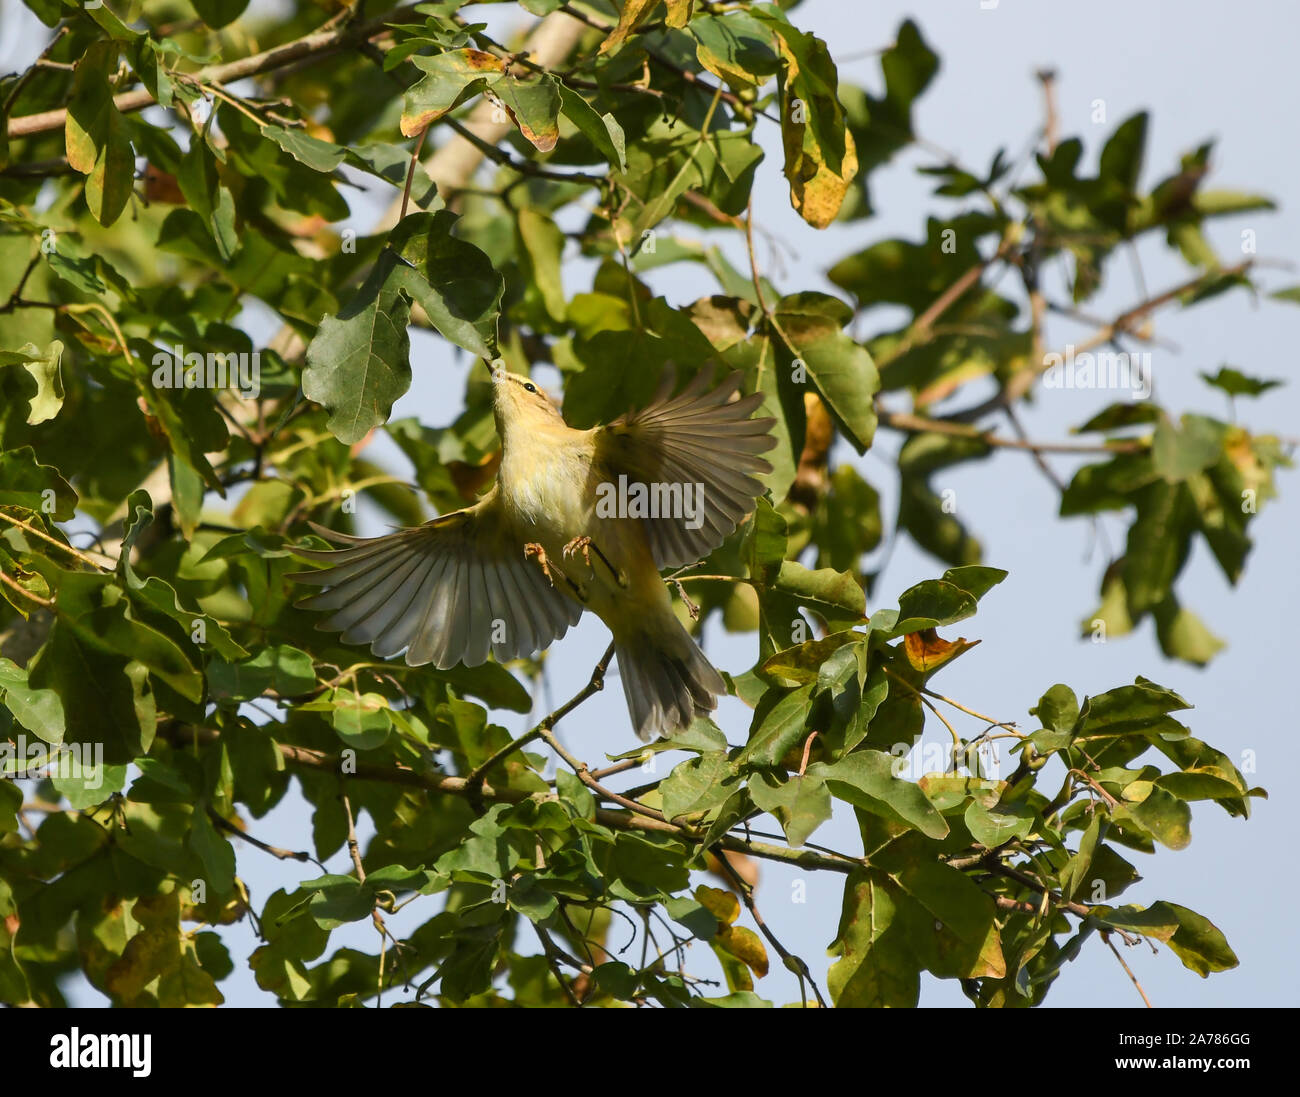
point(633, 15)
point(816, 191)
point(746, 946)
point(818, 198)
point(679, 12)
point(724, 906)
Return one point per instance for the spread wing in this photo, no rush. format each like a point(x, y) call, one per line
point(694, 438)
point(448, 591)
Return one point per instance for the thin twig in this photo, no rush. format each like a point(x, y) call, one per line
point(82, 556)
point(594, 685)
point(222, 823)
point(1021, 382)
point(791, 961)
point(354, 849)
point(312, 46)
point(1105, 936)
point(11, 582)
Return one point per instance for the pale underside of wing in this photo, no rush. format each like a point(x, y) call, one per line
point(447, 592)
point(698, 437)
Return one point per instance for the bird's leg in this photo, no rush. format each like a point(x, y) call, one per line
point(534, 549)
point(587, 546)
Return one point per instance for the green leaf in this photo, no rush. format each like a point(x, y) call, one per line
point(96, 140)
point(1183, 635)
point(450, 78)
point(876, 965)
point(1076, 873)
point(926, 517)
point(11, 802)
point(43, 368)
point(219, 13)
point(1235, 383)
point(213, 851)
point(1220, 203)
point(803, 663)
point(1160, 814)
point(698, 785)
point(106, 699)
point(358, 363)
point(883, 125)
point(801, 804)
point(991, 826)
point(534, 107)
point(492, 684)
point(932, 603)
point(160, 596)
point(602, 130)
point(393, 162)
point(40, 711)
point(208, 196)
point(322, 156)
point(1121, 157)
point(1198, 942)
point(452, 280)
point(1177, 454)
point(735, 47)
point(866, 779)
point(1058, 708)
point(85, 785)
point(571, 789)
point(1158, 544)
point(339, 900)
point(95, 607)
point(841, 369)
point(1138, 707)
point(26, 483)
point(363, 721)
point(778, 726)
point(285, 669)
point(825, 590)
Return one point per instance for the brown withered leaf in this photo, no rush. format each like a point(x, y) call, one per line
point(928, 651)
point(161, 186)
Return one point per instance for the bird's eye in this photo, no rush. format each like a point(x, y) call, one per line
point(529, 387)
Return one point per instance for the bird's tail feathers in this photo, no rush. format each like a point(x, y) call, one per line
point(666, 687)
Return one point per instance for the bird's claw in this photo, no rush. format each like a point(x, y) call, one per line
point(533, 549)
point(582, 545)
point(587, 546)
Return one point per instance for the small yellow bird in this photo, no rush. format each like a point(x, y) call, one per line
point(578, 519)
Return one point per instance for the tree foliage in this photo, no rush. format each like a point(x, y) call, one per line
point(181, 193)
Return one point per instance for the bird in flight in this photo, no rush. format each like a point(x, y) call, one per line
point(577, 520)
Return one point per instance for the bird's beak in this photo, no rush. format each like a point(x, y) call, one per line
point(497, 368)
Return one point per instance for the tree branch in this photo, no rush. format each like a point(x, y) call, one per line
point(1020, 384)
point(459, 786)
point(318, 44)
point(593, 686)
point(791, 961)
